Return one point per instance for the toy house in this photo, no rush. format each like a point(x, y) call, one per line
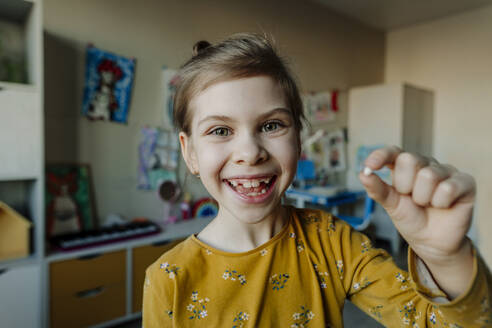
point(14, 233)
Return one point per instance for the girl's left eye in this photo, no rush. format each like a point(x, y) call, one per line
point(270, 126)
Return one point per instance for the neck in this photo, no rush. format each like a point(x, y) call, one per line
point(229, 234)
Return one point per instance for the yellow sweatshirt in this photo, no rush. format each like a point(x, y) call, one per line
point(301, 278)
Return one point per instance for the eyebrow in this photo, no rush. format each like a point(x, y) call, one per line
point(279, 110)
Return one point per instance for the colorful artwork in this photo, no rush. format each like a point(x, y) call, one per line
point(205, 207)
point(320, 106)
point(170, 79)
point(328, 152)
point(108, 85)
point(158, 157)
point(69, 199)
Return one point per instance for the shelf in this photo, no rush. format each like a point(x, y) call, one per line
point(20, 35)
point(169, 232)
point(15, 10)
point(17, 86)
point(13, 263)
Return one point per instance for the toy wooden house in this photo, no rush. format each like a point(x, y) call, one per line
point(14, 233)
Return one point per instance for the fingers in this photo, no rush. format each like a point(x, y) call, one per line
point(460, 187)
point(428, 182)
point(382, 157)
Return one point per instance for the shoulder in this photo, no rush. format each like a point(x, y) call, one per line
point(171, 263)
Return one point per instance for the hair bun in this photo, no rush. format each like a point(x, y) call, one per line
point(199, 46)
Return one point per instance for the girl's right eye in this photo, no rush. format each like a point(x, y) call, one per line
point(220, 132)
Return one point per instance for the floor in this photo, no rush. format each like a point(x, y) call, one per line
point(352, 316)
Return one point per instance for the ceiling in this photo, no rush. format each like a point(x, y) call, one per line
point(387, 15)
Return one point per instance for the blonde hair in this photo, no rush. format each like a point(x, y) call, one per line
point(240, 56)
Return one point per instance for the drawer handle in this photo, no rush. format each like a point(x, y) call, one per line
point(89, 257)
point(90, 292)
point(3, 271)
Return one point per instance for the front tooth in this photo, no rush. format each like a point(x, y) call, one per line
point(255, 183)
point(247, 184)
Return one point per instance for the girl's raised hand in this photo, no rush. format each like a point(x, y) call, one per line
point(431, 204)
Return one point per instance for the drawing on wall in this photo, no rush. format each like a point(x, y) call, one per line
point(328, 151)
point(108, 85)
point(69, 199)
point(158, 157)
point(170, 79)
point(320, 106)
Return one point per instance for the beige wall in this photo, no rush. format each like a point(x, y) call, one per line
point(327, 52)
point(452, 56)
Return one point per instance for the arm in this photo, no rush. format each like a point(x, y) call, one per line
point(156, 311)
point(398, 299)
point(431, 205)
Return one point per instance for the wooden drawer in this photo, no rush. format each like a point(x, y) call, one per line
point(88, 290)
point(142, 258)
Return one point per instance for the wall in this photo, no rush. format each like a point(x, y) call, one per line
point(452, 57)
point(326, 50)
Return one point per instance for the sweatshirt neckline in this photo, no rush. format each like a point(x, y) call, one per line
point(271, 241)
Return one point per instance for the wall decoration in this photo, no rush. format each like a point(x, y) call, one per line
point(327, 151)
point(170, 79)
point(205, 207)
point(158, 157)
point(320, 106)
point(108, 85)
point(69, 199)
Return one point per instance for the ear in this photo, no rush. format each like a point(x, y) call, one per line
point(188, 152)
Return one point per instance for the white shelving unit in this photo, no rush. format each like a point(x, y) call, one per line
point(22, 164)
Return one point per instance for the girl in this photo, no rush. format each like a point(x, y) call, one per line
point(261, 264)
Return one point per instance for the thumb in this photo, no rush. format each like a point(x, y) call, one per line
point(381, 192)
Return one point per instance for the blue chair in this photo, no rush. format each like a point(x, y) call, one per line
point(360, 223)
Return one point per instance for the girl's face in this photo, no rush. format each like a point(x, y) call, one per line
point(244, 145)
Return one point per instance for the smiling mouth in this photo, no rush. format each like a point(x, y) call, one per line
point(252, 187)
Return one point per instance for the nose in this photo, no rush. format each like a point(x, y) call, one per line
point(249, 150)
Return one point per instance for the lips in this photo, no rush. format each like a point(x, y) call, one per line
point(254, 189)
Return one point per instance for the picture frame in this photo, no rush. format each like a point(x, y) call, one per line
point(70, 205)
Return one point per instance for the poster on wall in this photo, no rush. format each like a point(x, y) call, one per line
point(108, 85)
point(158, 157)
point(169, 80)
point(328, 152)
point(69, 199)
point(320, 107)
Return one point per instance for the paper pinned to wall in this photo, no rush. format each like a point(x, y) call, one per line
point(319, 107)
point(158, 157)
point(169, 80)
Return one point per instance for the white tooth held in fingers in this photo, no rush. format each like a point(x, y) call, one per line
point(367, 171)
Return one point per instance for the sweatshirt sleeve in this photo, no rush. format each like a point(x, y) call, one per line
point(397, 298)
point(157, 310)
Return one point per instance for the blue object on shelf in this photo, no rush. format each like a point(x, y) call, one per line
point(305, 170)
